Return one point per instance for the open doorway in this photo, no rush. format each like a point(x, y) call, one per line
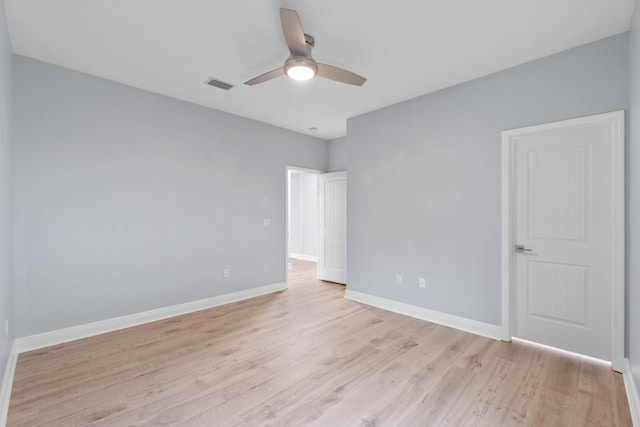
point(302, 225)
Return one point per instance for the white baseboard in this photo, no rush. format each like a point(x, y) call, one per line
point(304, 257)
point(7, 384)
point(632, 395)
point(467, 325)
point(46, 339)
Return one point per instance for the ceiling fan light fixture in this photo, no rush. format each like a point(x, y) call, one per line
point(300, 68)
point(300, 65)
point(300, 72)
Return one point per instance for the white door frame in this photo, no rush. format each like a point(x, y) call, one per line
point(287, 211)
point(509, 139)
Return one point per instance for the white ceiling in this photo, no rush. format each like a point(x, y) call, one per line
point(405, 48)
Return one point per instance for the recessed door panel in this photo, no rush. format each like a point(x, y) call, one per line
point(559, 292)
point(558, 192)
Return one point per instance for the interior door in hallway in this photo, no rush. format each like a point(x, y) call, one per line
point(332, 251)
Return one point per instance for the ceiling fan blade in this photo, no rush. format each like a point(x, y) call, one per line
point(293, 33)
point(265, 77)
point(340, 75)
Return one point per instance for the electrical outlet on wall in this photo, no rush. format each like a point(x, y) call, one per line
point(422, 282)
point(225, 273)
point(399, 279)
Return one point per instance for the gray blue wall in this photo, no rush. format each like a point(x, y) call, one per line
point(424, 194)
point(337, 154)
point(634, 201)
point(6, 299)
point(126, 201)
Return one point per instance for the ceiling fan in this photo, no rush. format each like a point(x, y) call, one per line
point(300, 65)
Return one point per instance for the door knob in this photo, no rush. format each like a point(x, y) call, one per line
point(521, 249)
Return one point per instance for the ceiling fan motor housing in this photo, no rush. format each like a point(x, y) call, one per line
point(309, 40)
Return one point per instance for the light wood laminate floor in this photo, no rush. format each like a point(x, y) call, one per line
point(307, 356)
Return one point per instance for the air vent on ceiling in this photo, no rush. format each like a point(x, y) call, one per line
point(218, 83)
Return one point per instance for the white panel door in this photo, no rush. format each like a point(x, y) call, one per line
point(332, 251)
point(563, 218)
